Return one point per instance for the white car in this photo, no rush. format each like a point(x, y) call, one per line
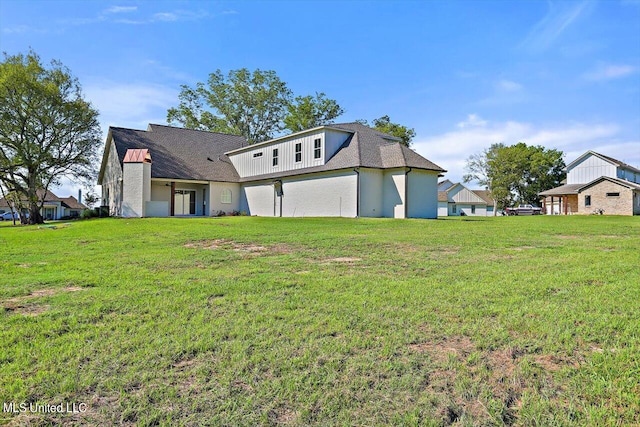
point(7, 216)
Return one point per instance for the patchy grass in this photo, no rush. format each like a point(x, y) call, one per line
point(260, 321)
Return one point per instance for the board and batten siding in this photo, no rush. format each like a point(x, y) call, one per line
point(259, 160)
point(590, 168)
point(463, 195)
point(422, 194)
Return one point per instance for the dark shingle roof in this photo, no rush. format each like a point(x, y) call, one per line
point(179, 153)
point(366, 147)
point(562, 190)
point(69, 202)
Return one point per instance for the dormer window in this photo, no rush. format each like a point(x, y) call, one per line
point(298, 152)
point(317, 148)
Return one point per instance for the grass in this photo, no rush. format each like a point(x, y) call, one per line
point(262, 321)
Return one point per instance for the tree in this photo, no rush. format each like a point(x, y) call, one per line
point(515, 173)
point(91, 199)
point(384, 124)
point(47, 130)
point(249, 104)
point(308, 112)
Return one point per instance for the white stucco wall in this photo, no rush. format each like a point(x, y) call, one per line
point(320, 194)
point(371, 192)
point(324, 194)
point(258, 199)
point(215, 197)
point(136, 189)
point(422, 194)
point(393, 189)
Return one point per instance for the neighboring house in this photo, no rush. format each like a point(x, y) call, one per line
point(596, 184)
point(455, 199)
point(347, 170)
point(54, 207)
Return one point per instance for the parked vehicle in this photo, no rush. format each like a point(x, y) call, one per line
point(7, 216)
point(524, 210)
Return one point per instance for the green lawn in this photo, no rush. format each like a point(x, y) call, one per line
point(262, 321)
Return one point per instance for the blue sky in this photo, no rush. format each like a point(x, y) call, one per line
point(463, 74)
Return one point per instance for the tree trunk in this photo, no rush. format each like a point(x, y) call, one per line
point(32, 199)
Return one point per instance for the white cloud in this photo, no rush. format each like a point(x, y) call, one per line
point(559, 17)
point(130, 105)
point(450, 150)
point(121, 9)
point(508, 86)
point(473, 120)
point(608, 72)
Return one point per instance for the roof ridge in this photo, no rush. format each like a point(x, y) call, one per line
point(195, 130)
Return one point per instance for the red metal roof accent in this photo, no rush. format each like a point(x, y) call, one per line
point(137, 155)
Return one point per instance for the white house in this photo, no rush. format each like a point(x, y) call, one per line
point(53, 207)
point(347, 170)
point(596, 183)
point(455, 199)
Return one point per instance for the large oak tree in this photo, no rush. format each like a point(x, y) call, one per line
point(47, 130)
point(516, 173)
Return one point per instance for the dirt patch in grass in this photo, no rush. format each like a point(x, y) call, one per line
point(523, 248)
point(485, 385)
point(30, 310)
point(282, 416)
point(247, 248)
point(23, 305)
point(342, 260)
point(44, 293)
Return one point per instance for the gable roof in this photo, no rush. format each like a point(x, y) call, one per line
point(484, 195)
point(189, 154)
point(562, 190)
point(179, 153)
point(611, 160)
point(622, 182)
point(48, 196)
point(365, 147)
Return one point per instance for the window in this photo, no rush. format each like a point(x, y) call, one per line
point(256, 155)
point(587, 200)
point(613, 194)
point(317, 148)
point(299, 152)
point(225, 196)
point(275, 157)
point(473, 209)
point(454, 209)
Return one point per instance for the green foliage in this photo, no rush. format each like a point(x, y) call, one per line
point(385, 125)
point(319, 321)
point(244, 103)
point(47, 129)
point(308, 112)
point(516, 173)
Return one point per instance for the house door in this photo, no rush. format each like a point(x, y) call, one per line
point(184, 202)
